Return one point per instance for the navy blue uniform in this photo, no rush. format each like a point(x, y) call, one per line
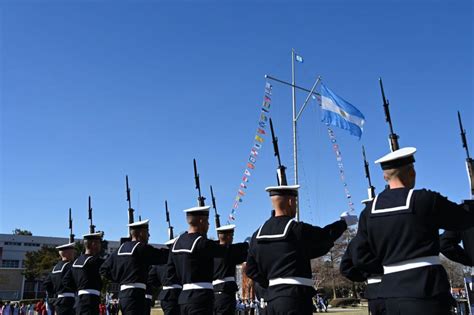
point(64, 300)
point(224, 283)
point(372, 290)
point(129, 266)
point(84, 278)
point(399, 229)
point(191, 262)
point(279, 258)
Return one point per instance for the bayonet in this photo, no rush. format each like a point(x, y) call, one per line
point(216, 214)
point(281, 174)
point(170, 228)
point(469, 160)
point(198, 186)
point(130, 209)
point(91, 225)
point(71, 235)
point(393, 137)
point(371, 189)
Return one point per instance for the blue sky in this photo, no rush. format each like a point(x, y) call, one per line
point(91, 91)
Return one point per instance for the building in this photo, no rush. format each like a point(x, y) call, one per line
point(13, 249)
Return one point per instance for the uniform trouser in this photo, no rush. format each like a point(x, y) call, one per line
point(196, 309)
point(65, 306)
point(377, 307)
point(148, 305)
point(132, 305)
point(88, 304)
point(290, 306)
point(170, 307)
point(224, 303)
point(411, 306)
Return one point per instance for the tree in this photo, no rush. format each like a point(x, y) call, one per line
point(455, 272)
point(21, 232)
point(38, 264)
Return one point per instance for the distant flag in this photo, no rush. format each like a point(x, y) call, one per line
point(299, 58)
point(340, 113)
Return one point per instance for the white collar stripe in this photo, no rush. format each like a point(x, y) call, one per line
point(276, 235)
point(399, 208)
point(185, 250)
point(60, 270)
point(130, 253)
point(83, 264)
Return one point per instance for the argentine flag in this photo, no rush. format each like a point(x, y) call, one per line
point(338, 112)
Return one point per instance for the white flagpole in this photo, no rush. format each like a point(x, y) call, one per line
point(295, 151)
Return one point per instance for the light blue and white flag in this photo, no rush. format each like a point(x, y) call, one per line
point(340, 113)
point(299, 58)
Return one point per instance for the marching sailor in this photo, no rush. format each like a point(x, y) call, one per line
point(376, 303)
point(129, 266)
point(224, 283)
point(169, 287)
point(64, 303)
point(281, 250)
point(84, 278)
point(399, 230)
point(191, 261)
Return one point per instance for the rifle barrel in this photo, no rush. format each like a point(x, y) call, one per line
point(463, 136)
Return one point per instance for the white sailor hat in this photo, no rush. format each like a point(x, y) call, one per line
point(171, 241)
point(139, 224)
point(66, 246)
point(398, 158)
point(203, 210)
point(226, 228)
point(93, 236)
point(283, 190)
point(365, 201)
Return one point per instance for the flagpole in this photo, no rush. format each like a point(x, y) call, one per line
point(295, 151)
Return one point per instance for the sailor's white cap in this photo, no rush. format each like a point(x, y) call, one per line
point(397, 158)
point(365, 201)
point(66, 246)
point(171, 241)
point(283, 190)
point(226, 228)
point(203, 210)
point(93, 236)
point(139, 224)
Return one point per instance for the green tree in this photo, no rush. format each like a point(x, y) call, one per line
point(21, 232)
point(38, 264)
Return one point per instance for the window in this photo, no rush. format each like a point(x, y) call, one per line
point(13, 243)
point(9, 263)
point(32, 244)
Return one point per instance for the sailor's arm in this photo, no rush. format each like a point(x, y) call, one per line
point(154, 256)
point(451, 216)
point(106, 268)
point(449, 247)
point(239, 252)
point(347, 268)
point(251, 266)
point(48, 285)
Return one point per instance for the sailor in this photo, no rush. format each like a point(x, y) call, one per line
point(224, 283)
point(399, 230)
point(169, 288)
point(450, 247)
point(129, 266)
point(192, 263)
point(282, 248)
point(84, 278)
point(64, 303)
point(376, 303)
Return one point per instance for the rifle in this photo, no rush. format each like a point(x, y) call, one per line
point(371, 189)
point(130, 209)
point(71, 235)
point(170, 228)
point(198, 186)
point(217, 216)
point(469, 160)
point(91, 226)
point(281, 175)
point(393, 137)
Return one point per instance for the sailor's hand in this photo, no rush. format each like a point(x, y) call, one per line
point(351, 219)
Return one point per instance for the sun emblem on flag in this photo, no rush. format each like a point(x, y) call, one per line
point(343, 113)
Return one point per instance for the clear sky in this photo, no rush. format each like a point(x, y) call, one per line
point(94, 90)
